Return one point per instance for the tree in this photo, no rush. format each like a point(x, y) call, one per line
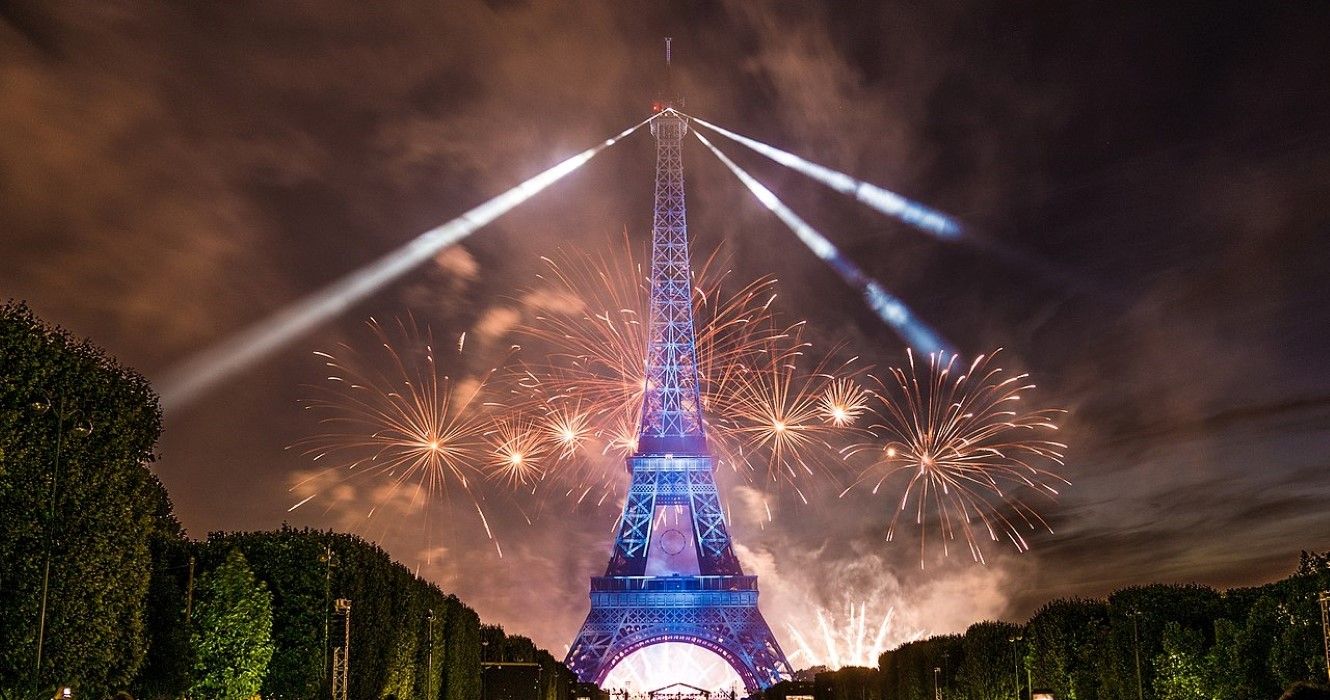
point(988, 671)
point(77, 431)
point(907, 671)
point(1137, 617)
point(1238, 659)
point(294, 565)
point(1297, 653)
point(1180, 671)
point(168, 665)
point(232, 634)
point(1066, 638)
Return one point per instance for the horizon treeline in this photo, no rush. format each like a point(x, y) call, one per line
point(1158, 642)
point(1150, 642)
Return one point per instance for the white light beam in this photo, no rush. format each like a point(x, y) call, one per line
point(183, 382)
point(891, 310)
point(885, 201)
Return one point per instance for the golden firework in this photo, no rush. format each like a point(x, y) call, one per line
point(969, 448)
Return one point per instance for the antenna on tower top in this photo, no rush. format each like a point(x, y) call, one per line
point(667, 50)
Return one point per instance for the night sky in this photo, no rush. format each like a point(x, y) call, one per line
point(172, 172)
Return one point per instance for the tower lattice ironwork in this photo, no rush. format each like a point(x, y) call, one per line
point(673, 575)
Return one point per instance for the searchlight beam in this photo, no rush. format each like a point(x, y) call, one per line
point(183, 382)
point(888, 307)
point(885, 201)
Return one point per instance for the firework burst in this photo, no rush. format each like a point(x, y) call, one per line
point(395, 417)
point(763, 412)
point(768, 412)
point(843, 402)
point(968, 449)
point(517, 452)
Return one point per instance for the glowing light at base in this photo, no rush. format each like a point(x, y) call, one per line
point(184, 381)
point(890, 309)
point(884, 201)
point(854, 638)
point(664, 664)
point(969, 448)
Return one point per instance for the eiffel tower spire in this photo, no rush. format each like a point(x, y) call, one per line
point(673, 576)
point(672, 403)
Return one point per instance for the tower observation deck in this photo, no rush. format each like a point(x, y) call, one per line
point(674, 579)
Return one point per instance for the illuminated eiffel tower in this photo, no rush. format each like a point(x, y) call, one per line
point(673, 576)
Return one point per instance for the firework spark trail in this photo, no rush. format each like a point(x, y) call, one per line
point(187, 379)
point(890, 309)
point(762, 410)
point(847, 640)
point(885, 201)
point(409, 427)
point(968, 448)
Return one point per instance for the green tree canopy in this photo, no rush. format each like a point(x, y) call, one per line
point(988, 671)
point(76, 433)
point(1181, 671)
point(1065, 639)
point(232, 632)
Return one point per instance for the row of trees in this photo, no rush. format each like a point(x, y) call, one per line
point(275, 591)
point(101, 590)
point(1158, 642)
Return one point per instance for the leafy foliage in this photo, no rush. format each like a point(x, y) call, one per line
point(232, 633)
point(908, 671)
point(1180, 670)
point(1194, 642)
point(84, 501)
point(989, 669)
point(1066, 638)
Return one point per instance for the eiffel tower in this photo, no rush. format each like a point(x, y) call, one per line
point(673, 576)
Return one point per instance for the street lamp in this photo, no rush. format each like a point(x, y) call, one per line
point(946, 667)
point(1016, 662)
point(937, 692)
point(82, 427)
point(1324, 598)
point(429, 672)
point(1136, 644)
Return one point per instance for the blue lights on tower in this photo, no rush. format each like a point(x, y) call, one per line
point(673, 575)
